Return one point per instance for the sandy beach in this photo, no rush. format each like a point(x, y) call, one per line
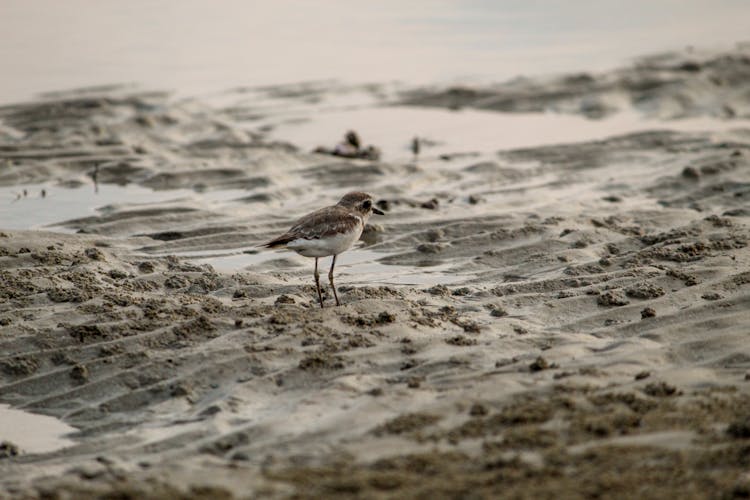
point(537, 315)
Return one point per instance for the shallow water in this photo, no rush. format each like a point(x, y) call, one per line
point(33, 210)
point(31, 432)
point(357, 266)
point(200, 46)
point(36, 211)
point(391, 129)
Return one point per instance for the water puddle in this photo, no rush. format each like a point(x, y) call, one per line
point(392, 128)
point(39, 205)
point(358, 266)
point(34, 211)
point(363, 266)
point(33, 433)
point(45, 206)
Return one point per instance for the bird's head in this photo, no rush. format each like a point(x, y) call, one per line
point(362, 203)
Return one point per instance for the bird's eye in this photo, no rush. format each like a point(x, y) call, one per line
point(367, 204)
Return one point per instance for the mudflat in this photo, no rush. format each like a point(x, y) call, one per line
point(566, 319)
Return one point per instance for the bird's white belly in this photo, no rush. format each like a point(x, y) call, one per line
point(323, 247)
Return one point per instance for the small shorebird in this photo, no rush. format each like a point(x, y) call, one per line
point(328, 231)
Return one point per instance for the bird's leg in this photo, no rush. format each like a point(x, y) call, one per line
point(330, 279)
point(317, 283)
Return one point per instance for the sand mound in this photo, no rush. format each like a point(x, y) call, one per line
point(667, 86)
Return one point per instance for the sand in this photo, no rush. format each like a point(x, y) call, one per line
point(563, 320)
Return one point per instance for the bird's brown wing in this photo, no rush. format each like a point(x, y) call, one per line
point(319, 224)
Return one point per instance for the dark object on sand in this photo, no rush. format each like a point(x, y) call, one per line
point(351, 147)
point(430, 204)
point(539, 364)
point(8, 449)
point(648, 312)
point(95, 178)
point(415, 146)
point(353, 139)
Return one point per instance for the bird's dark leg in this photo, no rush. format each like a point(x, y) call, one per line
point(330, 279)
point(317, 283)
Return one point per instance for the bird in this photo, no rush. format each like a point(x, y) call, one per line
point(328, 231)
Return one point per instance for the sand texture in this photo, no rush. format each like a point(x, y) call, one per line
point(564, 320)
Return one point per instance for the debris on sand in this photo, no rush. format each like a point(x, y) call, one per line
point(351, 147)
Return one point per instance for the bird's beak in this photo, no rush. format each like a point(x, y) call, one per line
point(376, 211)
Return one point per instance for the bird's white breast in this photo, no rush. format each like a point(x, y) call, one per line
point(329, 245)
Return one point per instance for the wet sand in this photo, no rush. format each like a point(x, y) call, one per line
point(561, 320)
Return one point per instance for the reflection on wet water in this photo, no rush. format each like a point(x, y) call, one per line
point(466, 130)
point(33, 433)
point(37, 206)
point(358, 266)
point(59, 204)
point(24, 207)
point(374, 272)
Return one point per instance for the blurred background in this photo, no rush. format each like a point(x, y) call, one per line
point(200, 46)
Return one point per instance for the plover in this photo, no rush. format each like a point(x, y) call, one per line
point(328, 231)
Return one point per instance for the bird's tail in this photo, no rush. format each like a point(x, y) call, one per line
point(277, 242)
